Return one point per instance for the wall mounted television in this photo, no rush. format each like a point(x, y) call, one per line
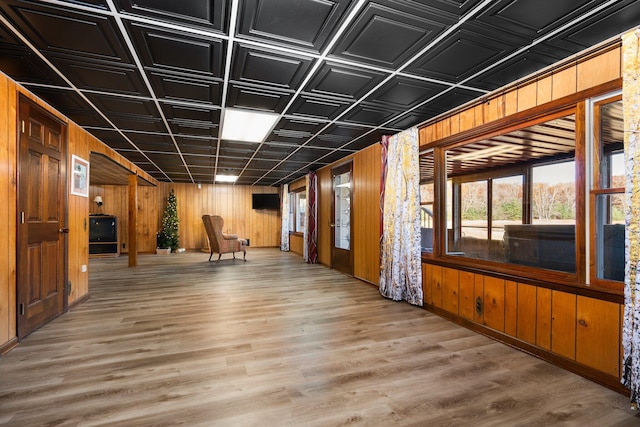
point(267, 201)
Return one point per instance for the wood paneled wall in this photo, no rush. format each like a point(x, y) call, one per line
point(232, 202)
point(296, 244)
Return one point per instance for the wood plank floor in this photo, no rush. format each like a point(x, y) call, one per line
point(275, 342)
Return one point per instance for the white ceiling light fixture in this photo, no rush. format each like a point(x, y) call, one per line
point(245, 125)
point(226, 178)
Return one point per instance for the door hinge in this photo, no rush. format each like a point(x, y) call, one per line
point(68, 287)
point(21, 309)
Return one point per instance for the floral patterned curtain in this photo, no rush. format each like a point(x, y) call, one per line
point(631, 113)
point(284, 233)
point(311, 226)
point(401, 269)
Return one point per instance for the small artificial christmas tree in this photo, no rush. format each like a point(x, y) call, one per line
point(168, 235)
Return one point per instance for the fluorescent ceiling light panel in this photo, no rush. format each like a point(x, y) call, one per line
point(226, 178)
point(249, 126)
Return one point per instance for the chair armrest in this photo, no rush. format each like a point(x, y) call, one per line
point(230, 236)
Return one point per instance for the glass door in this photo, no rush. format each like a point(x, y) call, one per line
point(341, 254)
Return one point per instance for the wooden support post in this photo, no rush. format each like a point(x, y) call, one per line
point(133, 228)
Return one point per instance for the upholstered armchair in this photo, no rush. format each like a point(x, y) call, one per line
point(220, 242)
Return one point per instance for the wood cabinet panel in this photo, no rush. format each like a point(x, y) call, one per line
point(295, 244)
point(450, 290)
point(563, 324)
point(436, 285)
point(527, 303)
point(511, 308)
point(494, 303)
point(598, 334)
point(543, 318)
point(427, 283)
point(467, 295)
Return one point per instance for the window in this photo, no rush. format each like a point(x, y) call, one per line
point(426, 203)
point(297, 210)
point(511, 197)
point(607, 193)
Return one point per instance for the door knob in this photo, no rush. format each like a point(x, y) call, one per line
point(64, 230)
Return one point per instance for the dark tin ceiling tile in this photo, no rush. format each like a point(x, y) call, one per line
point(178, 52)
point(124, 106)
point(308, 155)
point(342, 80)
point(253, 65)
point(85, 35)
point(112, 138)
point(100, 4)
point(367, 140)
point(238, 149)
point(337, 135)
point(176, 87)
point(294, 130)
point(404, 93)
point(513, 69)
point(197, 146)
point(198, 161)
point(308, 25)
point(258, 98)
point(450, 100)
point(316, 107)
point(24, 66)
point(273, 152)
point(229, 164)
point(621, 17)
point(211, 14)
point(532, 19)
point(371, 114)
point(387, 36)
point(103, 77)
point(461, 55)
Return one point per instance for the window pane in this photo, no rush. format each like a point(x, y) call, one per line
point(292, 211)
point(506, 204)
point(342, 214)
point(473, 209)
point(550, 242)
point(302, 210)
point(554, 194)
point(610, 256)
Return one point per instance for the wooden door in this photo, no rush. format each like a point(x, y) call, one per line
point(41, 218)
point(341, 219)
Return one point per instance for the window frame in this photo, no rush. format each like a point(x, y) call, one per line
point(294, 197)
point(595, 190)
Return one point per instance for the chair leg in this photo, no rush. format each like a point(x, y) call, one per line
point(234, 255)
point(244, 255)
point(210, 255)
point(219, 255)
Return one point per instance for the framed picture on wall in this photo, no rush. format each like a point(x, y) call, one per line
point(79, 176)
